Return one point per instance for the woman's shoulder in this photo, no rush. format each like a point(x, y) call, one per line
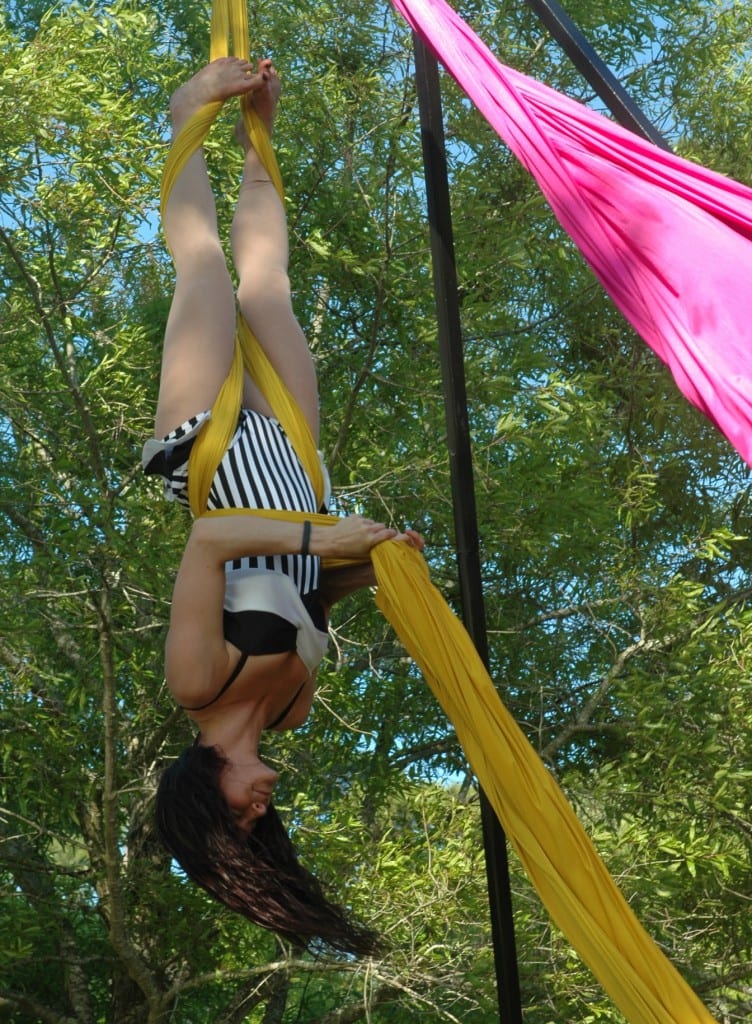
point(195, 672)
point(193, 694)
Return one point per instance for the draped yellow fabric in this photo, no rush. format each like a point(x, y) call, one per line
point(552, 845)
point(557, 854)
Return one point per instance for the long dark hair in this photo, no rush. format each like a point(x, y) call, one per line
point(257, 874)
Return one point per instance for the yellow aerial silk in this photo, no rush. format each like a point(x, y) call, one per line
point(554, 849)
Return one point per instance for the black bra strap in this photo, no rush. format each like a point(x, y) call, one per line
point(235, 673)
point(283, 714)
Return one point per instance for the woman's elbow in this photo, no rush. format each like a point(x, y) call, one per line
point(205, 542)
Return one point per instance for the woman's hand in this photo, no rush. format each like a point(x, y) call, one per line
point(354, 536)
point(336, 584)
point(411, 537)
point(351, 537)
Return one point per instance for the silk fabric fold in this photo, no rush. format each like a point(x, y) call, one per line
point(669, 240)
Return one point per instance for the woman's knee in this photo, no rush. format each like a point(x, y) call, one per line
point(202, 256)
point(265, 296)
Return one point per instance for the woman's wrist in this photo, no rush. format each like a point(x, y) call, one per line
point(317, 544)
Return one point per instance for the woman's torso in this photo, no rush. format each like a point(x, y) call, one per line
point(259, 470)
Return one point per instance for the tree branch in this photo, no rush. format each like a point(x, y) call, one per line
point(35, 291)
point(10, 1000)
point(132, 961)
point(582, 721)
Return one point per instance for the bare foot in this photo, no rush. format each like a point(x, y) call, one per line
point(241, 136)
point(266, 98)
point(224, 77)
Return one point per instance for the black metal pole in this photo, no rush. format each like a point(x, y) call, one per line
point(595, 70)
point(463, 493)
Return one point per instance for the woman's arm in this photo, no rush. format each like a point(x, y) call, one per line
point(227, 537)
point(197, 660)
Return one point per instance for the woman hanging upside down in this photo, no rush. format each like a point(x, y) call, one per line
point(248, 624)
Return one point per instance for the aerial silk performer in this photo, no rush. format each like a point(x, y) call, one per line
point(668, 239)
point(553, 847)
point(250, 604)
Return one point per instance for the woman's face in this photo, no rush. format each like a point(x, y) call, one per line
point(248, 789)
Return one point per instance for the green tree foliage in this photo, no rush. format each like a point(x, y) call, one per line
point(615, 529)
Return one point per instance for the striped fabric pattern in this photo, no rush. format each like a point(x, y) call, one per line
point(259, 470)
point(169, 457)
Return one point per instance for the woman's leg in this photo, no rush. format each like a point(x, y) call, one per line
point(260, 252)
point(199, 337)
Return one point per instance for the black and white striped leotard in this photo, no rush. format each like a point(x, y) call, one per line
point(258, 470)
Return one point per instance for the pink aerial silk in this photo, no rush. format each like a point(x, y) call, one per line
point(668, 239)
